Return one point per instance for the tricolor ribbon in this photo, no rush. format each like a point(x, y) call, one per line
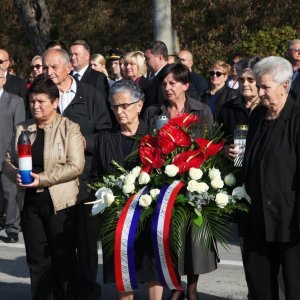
point(125, 271)
point(161, 233)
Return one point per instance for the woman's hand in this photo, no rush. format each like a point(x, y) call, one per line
point(34, 184)
point(230, 151)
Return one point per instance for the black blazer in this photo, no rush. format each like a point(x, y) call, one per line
point(97, 80)
point(155, 94)
point(16, 85)
point(224, 95)
point(108, 147)
point(279, 170)
point(89, 111)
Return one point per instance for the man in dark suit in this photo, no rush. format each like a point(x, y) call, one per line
point(80, 60)
point(84, 105)
point(13, 84)
point(156, 56)
point(197, 81)
point(12, 112)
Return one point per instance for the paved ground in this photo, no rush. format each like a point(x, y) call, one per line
point(227, 282)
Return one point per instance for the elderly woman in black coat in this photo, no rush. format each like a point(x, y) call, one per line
point(272, 166)
point(126, 99)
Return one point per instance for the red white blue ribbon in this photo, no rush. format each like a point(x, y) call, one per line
point(161, 232)
point(124, 258)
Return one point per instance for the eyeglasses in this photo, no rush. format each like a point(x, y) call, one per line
point(213, 73)
point(37, 66)
point(3, 61)
point(124, 106)
point(295, 49)
point(248, 79)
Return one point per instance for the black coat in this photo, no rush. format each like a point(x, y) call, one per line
point(224, 95)
point(155, 94)
point(191, 106)
point(88, 109)
point(97, 80)
point(279, 170)
point(16, 85)
point(233, 113)
point(108, 147)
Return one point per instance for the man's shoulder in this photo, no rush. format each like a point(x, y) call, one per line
point(90, 73)
point(11, 97)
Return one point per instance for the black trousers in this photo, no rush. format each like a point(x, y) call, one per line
point(87, 251)
point(262, 261)
point(50, 242)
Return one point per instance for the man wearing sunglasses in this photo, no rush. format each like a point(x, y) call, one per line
point(293, 54)
point(14, 84)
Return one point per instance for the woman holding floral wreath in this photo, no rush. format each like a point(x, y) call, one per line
point(126, 99)
point(175, 82)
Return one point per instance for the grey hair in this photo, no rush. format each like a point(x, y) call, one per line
point(247, 64)
point(291, 43)
point(64, 55)
point(36, 58)
point(127, 86)
point(278, 67)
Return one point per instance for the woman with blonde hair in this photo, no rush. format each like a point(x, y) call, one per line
point(98, 63)
point(219, 93)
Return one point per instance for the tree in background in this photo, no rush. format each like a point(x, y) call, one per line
point(35, 18)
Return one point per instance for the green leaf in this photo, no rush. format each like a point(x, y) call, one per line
point(198, 221)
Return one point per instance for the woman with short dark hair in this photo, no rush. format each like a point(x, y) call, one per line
point(49, 216)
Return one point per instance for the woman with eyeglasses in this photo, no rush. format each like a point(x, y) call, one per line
point(237, 111)
point(127, 100)
point(219, 93)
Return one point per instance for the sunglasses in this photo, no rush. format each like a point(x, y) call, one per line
point(213, 73)
point(124, 106)
point(3, 61)
point(248, 79)
point(37, 66)
point(296, 49)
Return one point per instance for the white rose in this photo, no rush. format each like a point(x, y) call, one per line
point(171, 170)
point(240, 193)
point(129, 178)
point(214, 173)
point(230, 180)
point(217, 183)
point(154, 193)
point(199, 187)
point(108, 198)
point(145, 200)
point(144, 178)
point(195, 173)
point(136, 171)
point(222, 199)
point(192, 186)
point(202, 187)
point(128, 188)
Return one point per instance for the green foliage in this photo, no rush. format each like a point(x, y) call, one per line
point(210, 29)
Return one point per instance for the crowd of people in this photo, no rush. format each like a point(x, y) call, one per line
point(80, 111)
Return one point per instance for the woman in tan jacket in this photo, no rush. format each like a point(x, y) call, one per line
point(49, 213)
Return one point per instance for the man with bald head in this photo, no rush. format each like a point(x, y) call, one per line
point(14, 84)
point(85, 106)
point(197, 80)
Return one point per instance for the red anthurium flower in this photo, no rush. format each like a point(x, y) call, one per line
point(208, 147)
point(149, 141)
point(151, 157)
point(184, 120)
point(188, 159)
point(169, 137)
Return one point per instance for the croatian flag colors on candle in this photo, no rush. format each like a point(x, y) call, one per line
point(25, 159)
